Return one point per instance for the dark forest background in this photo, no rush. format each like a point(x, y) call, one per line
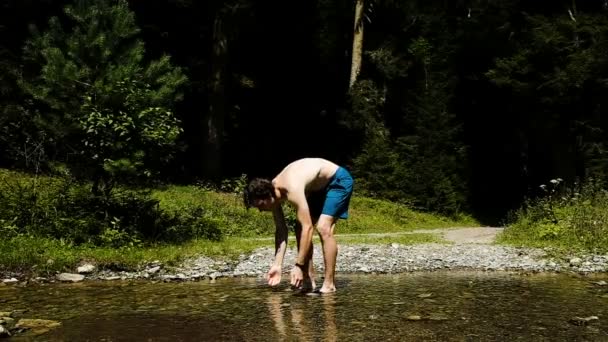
point(448, 106)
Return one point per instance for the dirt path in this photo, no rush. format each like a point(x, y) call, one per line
point(480, 235)
point(476, 235)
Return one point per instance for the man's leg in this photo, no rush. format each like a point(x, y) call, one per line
point(311, 271)
point(325, 228)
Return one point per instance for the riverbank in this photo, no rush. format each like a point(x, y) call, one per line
point(453, 249)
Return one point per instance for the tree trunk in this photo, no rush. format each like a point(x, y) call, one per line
point(213, 124)
point(357, 43)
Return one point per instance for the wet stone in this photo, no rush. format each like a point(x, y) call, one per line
point(584, 320)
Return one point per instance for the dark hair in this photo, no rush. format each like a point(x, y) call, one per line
point(257, 188)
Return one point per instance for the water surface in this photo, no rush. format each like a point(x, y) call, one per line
point(438, 306)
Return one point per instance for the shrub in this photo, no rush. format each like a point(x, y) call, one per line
point(570, 216)
point(62, 208)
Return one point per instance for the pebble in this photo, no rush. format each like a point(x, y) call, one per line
point(394, 258)
point(372, 259)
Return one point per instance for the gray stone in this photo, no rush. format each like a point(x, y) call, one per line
point(87, 268)
point(70, 277)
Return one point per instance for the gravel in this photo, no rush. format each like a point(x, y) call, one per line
point(376, 259)
point(362, 258)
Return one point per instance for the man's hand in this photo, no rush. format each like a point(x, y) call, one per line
point(274, 275)
point(297, 277)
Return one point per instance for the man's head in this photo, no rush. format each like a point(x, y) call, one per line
point(259, 193)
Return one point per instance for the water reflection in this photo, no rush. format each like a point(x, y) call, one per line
point(436, 306)
point(283, 312)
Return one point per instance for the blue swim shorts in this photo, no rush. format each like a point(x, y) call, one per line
point(335, 199)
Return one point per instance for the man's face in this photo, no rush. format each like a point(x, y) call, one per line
point(264, 204)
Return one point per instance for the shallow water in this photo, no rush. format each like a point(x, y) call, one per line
point(438, 306)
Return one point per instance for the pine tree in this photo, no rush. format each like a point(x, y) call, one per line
point(108, 111)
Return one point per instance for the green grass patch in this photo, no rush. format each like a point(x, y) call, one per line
point(566, 219)
point(225, 209)
point(44, 256)
point(51, 224)
point(367, 215)
point(403, 239)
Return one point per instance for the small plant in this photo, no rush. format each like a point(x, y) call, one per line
point(571, 217)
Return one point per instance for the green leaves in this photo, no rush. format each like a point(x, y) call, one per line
point(116, 111)
point(556, 56)
point(120, 127)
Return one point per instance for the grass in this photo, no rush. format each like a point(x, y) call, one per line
point(403, 239)
point(367, 215)
point(242, 230)
point(224, 208)
point(46, 256)
point(565, 220)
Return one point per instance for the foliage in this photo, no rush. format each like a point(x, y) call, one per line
point(569, 217)
point(557, 65)
point(224, 209)
point(452, 96)
point(43, 256)
point(61, 208)
point(413, 156)
point(99, 101)
point(121, 140)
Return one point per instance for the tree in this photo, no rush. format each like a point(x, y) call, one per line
point(357, 50)
point(109, 112)
point(556, 76)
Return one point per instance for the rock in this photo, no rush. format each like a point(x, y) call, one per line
point(37, 326)
point(583, 320)
point(87, 268)
point(6, 314)
point(10, 281)
point(153, 269)
point(70, 277)
point(600, 283)
point(575, 261)
point(413, 318)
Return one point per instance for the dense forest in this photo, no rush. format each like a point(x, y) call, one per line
point(448, 106)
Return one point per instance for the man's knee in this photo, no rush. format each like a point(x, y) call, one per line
point(325, 229)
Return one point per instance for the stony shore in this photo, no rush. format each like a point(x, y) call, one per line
point(388, 258)
point(471, 249)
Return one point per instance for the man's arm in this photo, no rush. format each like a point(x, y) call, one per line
point(280, 235)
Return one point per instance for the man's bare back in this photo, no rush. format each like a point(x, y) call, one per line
point(307, 174)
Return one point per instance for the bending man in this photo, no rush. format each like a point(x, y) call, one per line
point(320, 192)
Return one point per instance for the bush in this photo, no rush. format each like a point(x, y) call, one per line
point(61, 208)
point(570, 216)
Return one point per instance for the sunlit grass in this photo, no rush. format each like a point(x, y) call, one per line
point(402, 239)
point(242, 230)
point(42, 256)
point(564, 220)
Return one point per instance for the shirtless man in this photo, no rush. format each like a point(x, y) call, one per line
point(320, 191)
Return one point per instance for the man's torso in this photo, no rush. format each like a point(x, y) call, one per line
point(311, 174)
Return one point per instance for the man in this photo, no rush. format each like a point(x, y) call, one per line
point(320, 192)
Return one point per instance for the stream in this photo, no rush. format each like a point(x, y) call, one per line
point(425, 306)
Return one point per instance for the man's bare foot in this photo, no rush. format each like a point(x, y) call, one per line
point(327, 289)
